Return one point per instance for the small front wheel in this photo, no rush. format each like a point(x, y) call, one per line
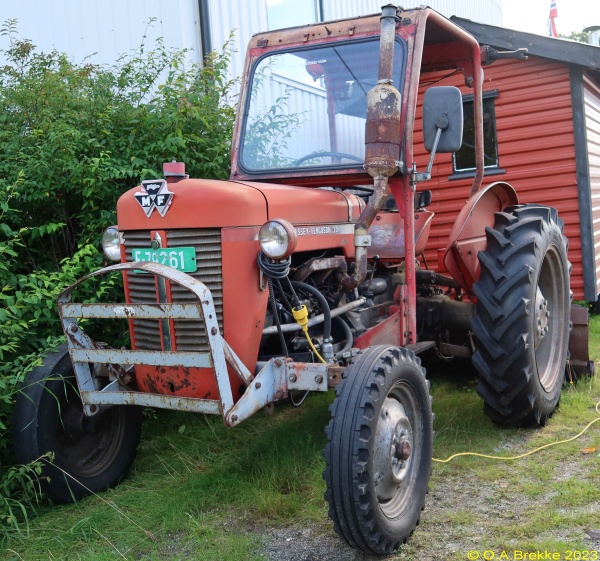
point(379, 449)
point(90, 454)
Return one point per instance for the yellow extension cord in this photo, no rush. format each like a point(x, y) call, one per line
point(597, 419)
point(301, 317)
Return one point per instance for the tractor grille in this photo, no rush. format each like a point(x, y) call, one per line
point(190, 335)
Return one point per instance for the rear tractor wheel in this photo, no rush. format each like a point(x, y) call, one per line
point(522, 319)
point(379, 449)
point(90, 454)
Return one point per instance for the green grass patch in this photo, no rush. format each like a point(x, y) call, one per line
point(198, 488)
point(196, 481)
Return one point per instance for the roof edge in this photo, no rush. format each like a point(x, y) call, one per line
point(554, 48)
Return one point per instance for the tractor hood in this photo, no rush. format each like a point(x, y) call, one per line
point(300, 205)
point(205, 203)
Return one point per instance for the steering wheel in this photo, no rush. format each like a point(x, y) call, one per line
point(325, 154)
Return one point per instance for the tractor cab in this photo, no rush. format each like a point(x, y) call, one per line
point(304, 110)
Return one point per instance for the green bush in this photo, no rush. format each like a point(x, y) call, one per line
point(73, 138)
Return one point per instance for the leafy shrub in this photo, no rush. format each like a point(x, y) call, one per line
point(73, 138)
point(19, 493)
point(82, 134)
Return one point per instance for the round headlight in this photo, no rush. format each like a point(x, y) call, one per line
point(110, 243)
point(277, 239)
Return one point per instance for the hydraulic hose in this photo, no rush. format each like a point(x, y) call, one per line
point(349, 337)
point(316, 320)
point(275, 313)
point(274, 270)
point(324, 305)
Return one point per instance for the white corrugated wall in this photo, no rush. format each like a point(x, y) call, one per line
point(484, 11)
point(108, 27)
point(113, 27)
point(248, 18)
point(244, 18)
point(340, 9)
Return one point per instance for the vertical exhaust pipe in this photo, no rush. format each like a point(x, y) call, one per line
point(382, 143)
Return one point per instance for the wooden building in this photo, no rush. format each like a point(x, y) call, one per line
point(542, 135)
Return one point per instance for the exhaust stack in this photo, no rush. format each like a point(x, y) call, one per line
point(382, 143)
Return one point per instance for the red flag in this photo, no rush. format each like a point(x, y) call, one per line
point(551, 17)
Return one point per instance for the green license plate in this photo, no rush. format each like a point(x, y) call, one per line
point(180, 258)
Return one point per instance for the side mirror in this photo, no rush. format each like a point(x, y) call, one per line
point(443, 109)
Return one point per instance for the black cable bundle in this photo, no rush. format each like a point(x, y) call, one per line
point(275, 270)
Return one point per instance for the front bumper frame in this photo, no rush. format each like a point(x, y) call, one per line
point(269, 385)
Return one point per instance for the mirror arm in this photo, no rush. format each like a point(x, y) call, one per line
point(438, 134)
point(441, 125)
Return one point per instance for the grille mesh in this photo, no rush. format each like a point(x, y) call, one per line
point(190, 335)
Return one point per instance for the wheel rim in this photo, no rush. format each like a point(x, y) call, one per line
point(397, 450)
point(87, 445)
point(549, 320)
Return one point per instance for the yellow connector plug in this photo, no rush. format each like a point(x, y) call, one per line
point(301, 317)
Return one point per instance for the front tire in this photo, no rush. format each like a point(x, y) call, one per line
point(91, 454)
point(379, 449)
point(522, 320)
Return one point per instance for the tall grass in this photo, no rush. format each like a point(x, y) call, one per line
point(208, 492)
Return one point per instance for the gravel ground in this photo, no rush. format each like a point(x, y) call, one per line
point(438, 537)
point(307, 544)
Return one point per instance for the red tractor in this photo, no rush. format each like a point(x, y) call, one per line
point(306, 271)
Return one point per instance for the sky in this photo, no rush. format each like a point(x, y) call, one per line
point(532, 15)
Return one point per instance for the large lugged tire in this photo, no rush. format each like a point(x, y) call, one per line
point(522, 319)
point(96, 452)
point(379, 449)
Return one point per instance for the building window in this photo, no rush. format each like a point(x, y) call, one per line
point(463, 161)
point(291, 13)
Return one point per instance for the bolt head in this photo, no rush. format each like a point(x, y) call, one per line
point(318, 378)
point(405, 450)
point(257, 385)
point(213, 331)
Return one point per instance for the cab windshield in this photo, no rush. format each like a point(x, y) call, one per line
point(307, 108)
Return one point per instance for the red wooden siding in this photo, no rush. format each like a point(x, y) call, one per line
point(591, 95)
point(535, 147)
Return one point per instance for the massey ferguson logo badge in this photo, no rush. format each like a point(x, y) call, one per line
point(154, 195)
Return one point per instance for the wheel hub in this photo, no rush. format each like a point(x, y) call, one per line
point(392, 456)
point(541, 317)
point(76, 423)
point(73, 423)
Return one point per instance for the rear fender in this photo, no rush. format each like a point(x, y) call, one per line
point(467, 237)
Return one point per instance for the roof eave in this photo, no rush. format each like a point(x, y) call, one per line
point(553, 48)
